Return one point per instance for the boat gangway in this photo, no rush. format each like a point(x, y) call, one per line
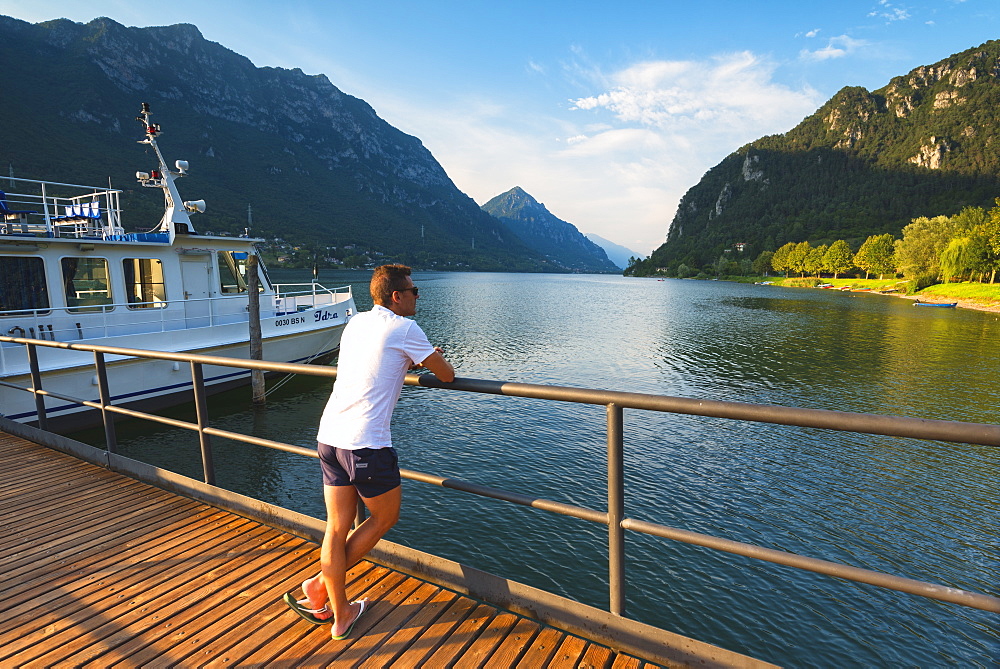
point(105, 560)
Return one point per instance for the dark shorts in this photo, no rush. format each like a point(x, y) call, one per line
point(372, 471)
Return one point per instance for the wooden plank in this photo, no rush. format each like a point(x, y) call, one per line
point(568, 654)
point(148, 527)
point(596, 657)
point(135, 567)
point(88, 608)
point(622, 661)
point(543, 648)
point(513, 647)
point(277, 627)
point(31, 494)
point(482, 648)
point(185, 632)
point(452, 648)
point(20, 464)
point(385, 636)
point(24, 478)
point(231, 590)
point(52, 514)
point(53, 495)
point(58, 571)
point(85, 536)
point(257, 615)
point(135, 614)
point(101, 522)
point(115, 540)
point(431, 635)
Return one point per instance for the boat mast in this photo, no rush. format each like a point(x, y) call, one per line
point(176, 218)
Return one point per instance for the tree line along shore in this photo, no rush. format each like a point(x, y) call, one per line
point(948, 257)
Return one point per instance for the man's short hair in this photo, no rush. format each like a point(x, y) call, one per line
point(385, 280)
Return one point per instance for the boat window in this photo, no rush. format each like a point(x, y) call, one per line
point(86, 282)
point(22, 289)
point(144, 283)
point(233, 272)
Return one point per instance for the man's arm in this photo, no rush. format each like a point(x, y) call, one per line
point(439, 366)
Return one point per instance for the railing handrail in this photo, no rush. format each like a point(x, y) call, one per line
point(614, 401)
point(96, 189)
point(843, 421)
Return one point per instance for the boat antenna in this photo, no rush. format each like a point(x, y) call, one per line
point(176, 219)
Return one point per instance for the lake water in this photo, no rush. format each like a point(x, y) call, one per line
point(925, 510)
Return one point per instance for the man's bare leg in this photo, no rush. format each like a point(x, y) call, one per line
point(343, 547)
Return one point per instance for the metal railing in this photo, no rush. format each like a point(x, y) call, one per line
point(613, 516)
point(78, 211)
point(291, 297)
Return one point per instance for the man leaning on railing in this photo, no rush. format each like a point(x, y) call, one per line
point(355, 448)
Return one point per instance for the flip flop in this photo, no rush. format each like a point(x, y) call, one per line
point(306, 613)
point(364, 607)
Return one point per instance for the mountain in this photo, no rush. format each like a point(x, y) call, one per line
point(316, 165)
point(617, 254)
point(865, 163)
point(560, 242)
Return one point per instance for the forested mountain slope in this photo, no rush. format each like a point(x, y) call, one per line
point(864, 163)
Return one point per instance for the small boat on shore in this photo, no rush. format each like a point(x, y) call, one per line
point(70, 272)
point(944, 305)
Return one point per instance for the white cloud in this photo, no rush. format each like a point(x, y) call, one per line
point(836, 47)
point(670, 121)
point(890, 12)
point(813, 33)
point(732, 92)
point(615, 162)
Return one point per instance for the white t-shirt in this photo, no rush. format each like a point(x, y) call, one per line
point(376, 350)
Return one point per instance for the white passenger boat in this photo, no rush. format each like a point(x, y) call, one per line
point(70, 272)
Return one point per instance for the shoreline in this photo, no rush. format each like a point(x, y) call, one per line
point(962, 304)
point(992, 306)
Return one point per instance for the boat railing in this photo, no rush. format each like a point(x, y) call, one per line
point(53, 209)
point(613, 403)
point(100, 320)
point(94, 318)
point(293, 297)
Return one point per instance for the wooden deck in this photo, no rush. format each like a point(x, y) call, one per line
point(100, 570)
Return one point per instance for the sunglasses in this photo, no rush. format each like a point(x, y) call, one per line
point(413, 288)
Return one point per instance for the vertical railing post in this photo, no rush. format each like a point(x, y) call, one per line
point(258, 394)
point(201, 410)
point(110, 436)
point(36, 385)
point(616, 510)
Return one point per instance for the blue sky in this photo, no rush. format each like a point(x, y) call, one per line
point(605, 112)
